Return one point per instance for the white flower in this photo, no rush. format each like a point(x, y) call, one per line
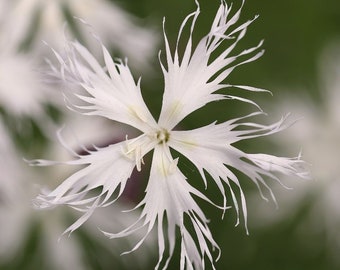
point(17, 72)
point(9, 167)
point(12, 196)
point(319, 135)
point(116, 27)
point(191, 81)
point(23, 93)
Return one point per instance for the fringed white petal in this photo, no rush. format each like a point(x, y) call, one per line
point(169, 194)
point(288, 166)
point(214, 141)
point(98, 184)
point(108, 91)
point(192, 82)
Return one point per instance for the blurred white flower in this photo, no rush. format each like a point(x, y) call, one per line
point(318, 132)
point(38, 20)
point(12, 196)
point(190, 83)
point(22, 91)
point(4, 8)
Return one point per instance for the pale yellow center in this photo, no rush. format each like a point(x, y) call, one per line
point(162, 136)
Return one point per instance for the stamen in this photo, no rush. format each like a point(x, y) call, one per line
point(138, 158)
point(133, 151)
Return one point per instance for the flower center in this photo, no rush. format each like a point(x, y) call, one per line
point(162, 136)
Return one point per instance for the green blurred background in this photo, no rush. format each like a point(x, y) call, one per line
point(295, 33)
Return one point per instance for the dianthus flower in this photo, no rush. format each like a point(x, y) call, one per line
point(191, 82)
